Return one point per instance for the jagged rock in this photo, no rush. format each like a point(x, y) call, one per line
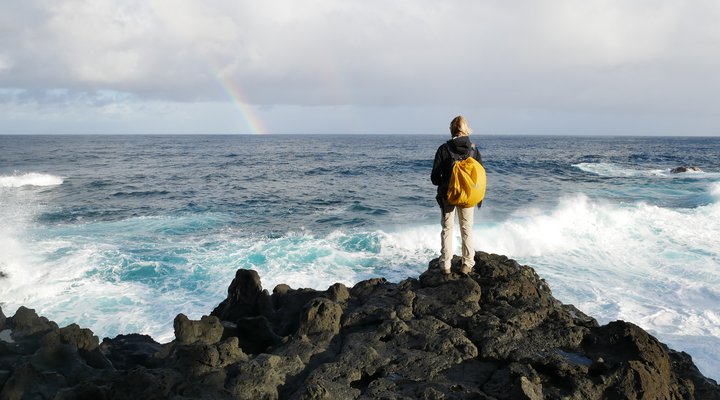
point(142, 383)
point(70, 342)
point(4, 375)
point(208, 330)
point(704, 388)
point(377, 300)
point(197, 359)
point(255, 334)
point(364, 289)
point(128, 351)
point(321, 316)
point(26, 323)
point(495, 333)
point(84, 391)
point(451, 299)
point(681, 169)
point(54, 362)
point(288, 305)
point(230, 352)
point(263, 377)
point(246, 298)
point(27, 382)
point(638, 365)
point(338, 293)
point(530, 390)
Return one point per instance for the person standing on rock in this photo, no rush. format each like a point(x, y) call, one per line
point(461, 147)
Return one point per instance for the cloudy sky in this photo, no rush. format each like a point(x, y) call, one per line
point(647, 67)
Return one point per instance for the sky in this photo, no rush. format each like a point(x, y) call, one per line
point(565, 67)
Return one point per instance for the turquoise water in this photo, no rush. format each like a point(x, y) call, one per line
point(121, 233)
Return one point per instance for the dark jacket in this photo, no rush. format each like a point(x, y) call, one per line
point(462, 147)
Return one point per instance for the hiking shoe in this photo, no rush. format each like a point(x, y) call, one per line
point(445, 271)
point(466, 269)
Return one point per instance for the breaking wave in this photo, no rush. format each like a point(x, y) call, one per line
point(620, 171)
point(29, 179)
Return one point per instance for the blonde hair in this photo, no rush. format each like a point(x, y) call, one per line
point(459, 127)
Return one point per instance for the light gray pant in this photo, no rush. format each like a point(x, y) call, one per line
point(465, 216)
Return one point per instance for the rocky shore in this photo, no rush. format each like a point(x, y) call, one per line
point(497, 333)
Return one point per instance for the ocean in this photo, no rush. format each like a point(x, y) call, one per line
point(121, 233)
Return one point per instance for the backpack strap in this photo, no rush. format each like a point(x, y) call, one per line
point(473, 152)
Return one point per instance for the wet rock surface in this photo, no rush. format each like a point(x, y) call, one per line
point(683, 168)
point(497, 333)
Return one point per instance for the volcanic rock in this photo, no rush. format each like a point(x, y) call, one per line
point(133, 350)
point(208, 330)
point(681, 169)
point(496, 333)
point(27, 323)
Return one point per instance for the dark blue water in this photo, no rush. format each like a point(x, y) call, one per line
point(120, 233)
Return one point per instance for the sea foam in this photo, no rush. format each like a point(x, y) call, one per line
point(29, 179)
point(613, 170)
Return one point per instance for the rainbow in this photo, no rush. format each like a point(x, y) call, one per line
point(233, 90)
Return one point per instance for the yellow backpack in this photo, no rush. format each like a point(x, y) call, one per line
point(467, 182)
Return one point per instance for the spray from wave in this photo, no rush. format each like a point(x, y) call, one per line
point(29, 179)
point(17, 211)
point(715, 191)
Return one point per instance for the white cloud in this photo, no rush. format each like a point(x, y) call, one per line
point(609, 55)
point(5, 62)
